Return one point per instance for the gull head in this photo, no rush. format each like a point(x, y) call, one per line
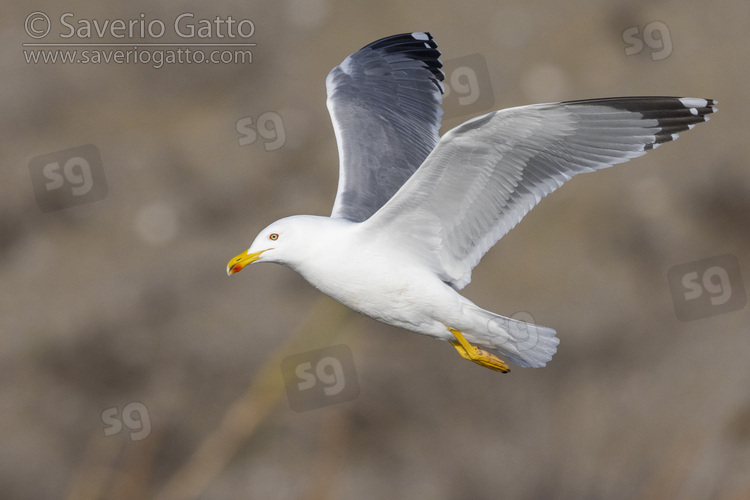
point(285, 241)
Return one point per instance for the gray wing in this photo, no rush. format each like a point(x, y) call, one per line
point(384, 102)
point(489, 172)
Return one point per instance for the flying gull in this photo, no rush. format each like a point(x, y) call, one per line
point(415, 212)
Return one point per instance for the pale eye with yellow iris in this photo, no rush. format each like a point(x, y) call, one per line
point(273, 237)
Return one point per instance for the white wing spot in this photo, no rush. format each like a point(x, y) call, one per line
point(420, 36)
point(692, 102)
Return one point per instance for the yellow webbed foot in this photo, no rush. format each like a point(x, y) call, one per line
point(477, 355)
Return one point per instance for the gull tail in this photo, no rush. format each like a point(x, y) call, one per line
point(524, 344)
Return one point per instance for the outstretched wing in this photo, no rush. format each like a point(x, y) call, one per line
point(384, 102)
point(489, 172)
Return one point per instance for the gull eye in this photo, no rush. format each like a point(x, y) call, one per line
point(273, 237)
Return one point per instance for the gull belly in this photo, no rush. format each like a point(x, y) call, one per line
point(385, 284)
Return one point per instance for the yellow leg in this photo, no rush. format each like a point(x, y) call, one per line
point(477, 355)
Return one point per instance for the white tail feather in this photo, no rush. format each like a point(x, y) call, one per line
point(524, 344)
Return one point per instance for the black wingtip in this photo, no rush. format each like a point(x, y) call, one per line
point(419, 46)
point(675, 115)
point(672, 114)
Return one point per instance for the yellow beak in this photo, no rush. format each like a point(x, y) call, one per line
point(236, 264)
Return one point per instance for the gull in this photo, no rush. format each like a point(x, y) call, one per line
point(415, 212)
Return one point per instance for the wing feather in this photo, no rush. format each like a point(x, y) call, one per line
point(485, 175)
point(384, 102)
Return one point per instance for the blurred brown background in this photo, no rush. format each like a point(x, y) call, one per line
point(125, 300)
